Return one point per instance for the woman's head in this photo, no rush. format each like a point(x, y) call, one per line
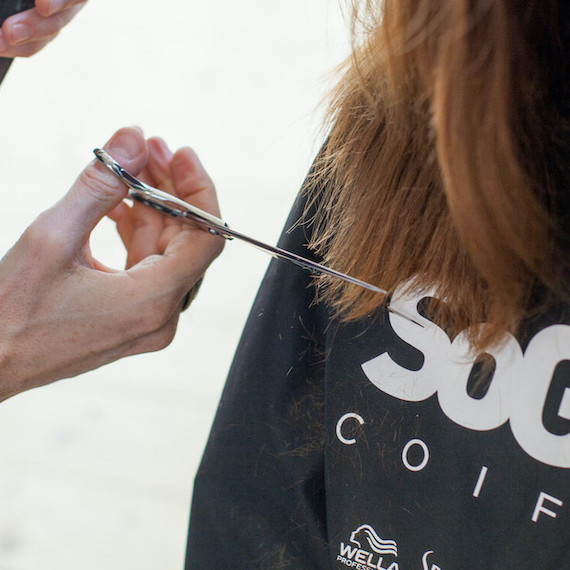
point(446, 160)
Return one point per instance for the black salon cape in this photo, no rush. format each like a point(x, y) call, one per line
point(371, 445)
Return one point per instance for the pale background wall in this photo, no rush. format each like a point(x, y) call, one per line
point(96, 472)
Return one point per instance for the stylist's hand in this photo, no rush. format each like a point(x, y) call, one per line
point(26, 33)
point(62, 312)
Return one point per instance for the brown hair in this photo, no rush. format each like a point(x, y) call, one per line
point(445, 164)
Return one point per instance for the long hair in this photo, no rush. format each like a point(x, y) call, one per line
point(445, 166)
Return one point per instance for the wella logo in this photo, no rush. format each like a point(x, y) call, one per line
point(369, 551)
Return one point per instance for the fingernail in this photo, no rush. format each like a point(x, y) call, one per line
point(127, 143)
point(20, 33)
point(55, 6)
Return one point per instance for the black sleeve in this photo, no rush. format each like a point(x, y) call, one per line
point(259, 493)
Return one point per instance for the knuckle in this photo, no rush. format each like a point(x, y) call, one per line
point(155, 342)
point(164, 337)
point(156, 318)
point(100, 187)
point(146, 323)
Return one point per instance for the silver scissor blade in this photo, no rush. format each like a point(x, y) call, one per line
point(174, 206)
point(314, 267)
point(299, 260)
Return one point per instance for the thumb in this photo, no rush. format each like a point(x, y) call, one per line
point(96, 192)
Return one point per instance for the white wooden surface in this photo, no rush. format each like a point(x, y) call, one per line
point(96, 472)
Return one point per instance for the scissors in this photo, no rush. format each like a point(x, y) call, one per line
point(184, 212)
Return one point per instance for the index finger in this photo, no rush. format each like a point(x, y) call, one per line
point(188, 251)
point(191, 181)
